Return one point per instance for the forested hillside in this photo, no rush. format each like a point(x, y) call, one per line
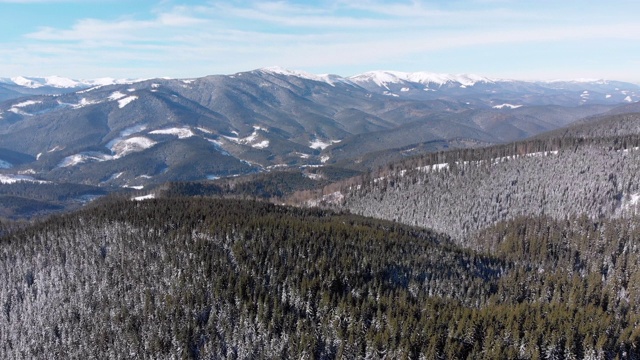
point(618, 124)
point(588, 170)
point(200, 279)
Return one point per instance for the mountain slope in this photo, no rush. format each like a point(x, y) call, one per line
point(257, 120)
point(462, 192)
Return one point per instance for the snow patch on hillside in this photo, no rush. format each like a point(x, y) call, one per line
point(27, 103)
point(204, 130)
point(116, 95)
point(251, 140)
point(83, 157)
point(321, 145)
point(130, 145)
point(126, 101)
point(261, 145)
point(17, 111)
point(84, 102)
point(434, 167)
point(313, 176)
point(113, 177)
point(125, 133)
point(133, 130)
point(143, 197)
point(181, 133)
point(18, 108)
point(11, 179)
point(506, 106)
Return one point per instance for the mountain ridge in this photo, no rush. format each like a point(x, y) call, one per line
point(141, 134)
point(380, 76)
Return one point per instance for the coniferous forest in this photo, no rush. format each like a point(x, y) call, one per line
point(214, 278)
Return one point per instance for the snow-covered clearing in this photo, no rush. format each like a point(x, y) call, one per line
point(130, 145)
point(261, 145)
point(124, 102)
point(11, 179)
point(144, 197)
point(116, 95)
point(27, 103)
point(83, 157)
point(181, 133)
point(251, 140)
point(18, 108)
point(83, 102)
point(321, 145)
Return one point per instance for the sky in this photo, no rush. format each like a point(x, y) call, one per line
point(528, 40)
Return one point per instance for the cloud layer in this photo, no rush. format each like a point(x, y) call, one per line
point(498, 38)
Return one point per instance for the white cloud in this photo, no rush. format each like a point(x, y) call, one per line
point(119, 30)
point(225, 37)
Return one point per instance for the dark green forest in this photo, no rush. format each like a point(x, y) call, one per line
point(212, 278)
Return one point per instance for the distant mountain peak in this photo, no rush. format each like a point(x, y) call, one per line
point(383, 78)
point(579, 81)
point(325, 78)
point(59, 82)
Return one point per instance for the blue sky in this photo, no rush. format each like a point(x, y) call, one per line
point(157, 38)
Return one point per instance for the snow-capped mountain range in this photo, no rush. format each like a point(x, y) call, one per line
point(380, 78)
point(384, 78)
point(133, 133)
point(61, 82)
